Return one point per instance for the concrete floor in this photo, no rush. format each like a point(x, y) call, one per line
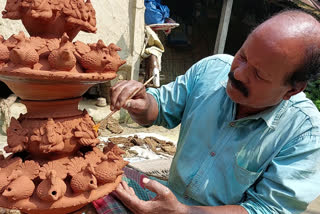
point(99, 113)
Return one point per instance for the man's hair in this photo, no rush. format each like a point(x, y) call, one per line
point(309, 69)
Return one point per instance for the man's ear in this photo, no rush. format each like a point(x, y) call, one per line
point(300, 86)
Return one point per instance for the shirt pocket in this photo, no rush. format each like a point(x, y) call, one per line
point(243, 176)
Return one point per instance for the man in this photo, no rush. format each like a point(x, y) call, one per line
point(249, 139)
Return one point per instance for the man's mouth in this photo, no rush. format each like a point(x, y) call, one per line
point(238, 84)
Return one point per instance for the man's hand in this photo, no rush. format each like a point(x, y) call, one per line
point(143, 108)
point(123, 90)
point(164, 202)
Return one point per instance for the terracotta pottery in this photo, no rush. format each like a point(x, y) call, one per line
point(55, 166)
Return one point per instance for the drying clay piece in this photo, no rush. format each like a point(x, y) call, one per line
point(54, 166)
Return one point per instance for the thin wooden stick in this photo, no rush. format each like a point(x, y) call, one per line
point(104, 121)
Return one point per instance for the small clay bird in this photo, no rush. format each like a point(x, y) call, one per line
point(63, 58)
point(84, 180)
point(24, 54)
point(21, 184)
point(52, 188)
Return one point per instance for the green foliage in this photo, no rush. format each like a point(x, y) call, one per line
point(313, 92)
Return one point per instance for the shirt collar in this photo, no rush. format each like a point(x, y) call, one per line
point(271, 116)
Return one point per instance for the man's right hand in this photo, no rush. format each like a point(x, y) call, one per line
point(142, 107)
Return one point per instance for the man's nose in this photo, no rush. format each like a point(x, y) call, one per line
point(241, 74)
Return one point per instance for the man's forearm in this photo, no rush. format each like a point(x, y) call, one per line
point(150, 115)
point(227, 209)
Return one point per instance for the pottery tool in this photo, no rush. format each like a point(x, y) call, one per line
point(103, 122)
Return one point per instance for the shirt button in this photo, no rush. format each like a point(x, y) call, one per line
point(232, 124)
point(212, 154)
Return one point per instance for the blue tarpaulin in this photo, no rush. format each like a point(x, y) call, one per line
point(155, 13)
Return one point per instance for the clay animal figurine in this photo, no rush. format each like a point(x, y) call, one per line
point(40, 9)
point(92, 13)
point(113, 58)
point(24, 54)
point(63, 59)
point(3, 180)
point(110, 168)
point(94, 157)
point(96, 59)
point(83, 178)
point(4, 52)
point(52, 186)
point(21, 184)
point(78, 12)
point(6, 168)
point(50, 136)
point(17, 137)
point(25, 3)
point(12, 10)
point(86, 133)
point(107, 172)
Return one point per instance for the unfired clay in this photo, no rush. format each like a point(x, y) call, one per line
point(54, 166)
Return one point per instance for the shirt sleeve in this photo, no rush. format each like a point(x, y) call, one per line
point(172, 98)
point(290, 182)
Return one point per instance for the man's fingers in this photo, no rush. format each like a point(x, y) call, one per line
point(135, 106)
point(156, 187)
point(129, 199)
point(120, 94)
point(118, 84)
point(127, 188)
point(115, 91)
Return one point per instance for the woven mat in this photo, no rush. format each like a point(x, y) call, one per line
point(158, 168)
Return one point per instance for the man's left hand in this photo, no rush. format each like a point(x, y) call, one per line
point(164, 202)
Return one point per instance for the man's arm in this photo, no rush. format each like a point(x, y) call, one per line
point(291, 180)
point(227, 209)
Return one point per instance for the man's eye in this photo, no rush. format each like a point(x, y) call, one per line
point(257, 75)
point(243, 58)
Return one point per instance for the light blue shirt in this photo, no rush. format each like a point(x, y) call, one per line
point(267, 163)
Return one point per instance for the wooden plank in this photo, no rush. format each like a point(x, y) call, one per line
point(223, 26)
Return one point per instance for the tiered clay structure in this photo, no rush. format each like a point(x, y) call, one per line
point(54, 166)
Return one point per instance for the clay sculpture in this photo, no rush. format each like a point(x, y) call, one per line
point(55, 166)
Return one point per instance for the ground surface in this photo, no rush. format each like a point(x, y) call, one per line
point(99, 113)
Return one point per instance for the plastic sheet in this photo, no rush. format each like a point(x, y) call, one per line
point(155, 13)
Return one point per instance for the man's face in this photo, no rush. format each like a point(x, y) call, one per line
point(260, 68)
